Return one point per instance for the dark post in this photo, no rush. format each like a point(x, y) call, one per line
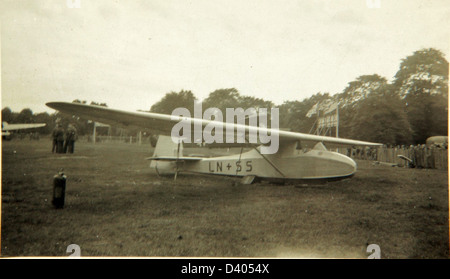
point(59, 190)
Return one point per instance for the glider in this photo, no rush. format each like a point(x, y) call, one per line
point(6, 128)
point(299, 157)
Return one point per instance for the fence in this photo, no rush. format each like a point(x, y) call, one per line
point(420, 156)
point(109, 139)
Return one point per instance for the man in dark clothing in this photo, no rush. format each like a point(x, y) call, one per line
point(54, 140)
point(60, 139)
point(71, 136)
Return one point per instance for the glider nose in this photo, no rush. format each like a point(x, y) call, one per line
point(341, 165)
point(328, 164)
point(346, 164)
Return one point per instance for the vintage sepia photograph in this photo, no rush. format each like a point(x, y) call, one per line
point(258, 129)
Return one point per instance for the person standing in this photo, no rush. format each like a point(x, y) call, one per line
point(54, 140)
point(60, 139)
point(71, 136)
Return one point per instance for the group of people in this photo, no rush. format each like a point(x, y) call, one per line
point(414, 156)
point(64, 140)
point(425, 156)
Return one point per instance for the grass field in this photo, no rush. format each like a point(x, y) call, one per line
point(117, 206)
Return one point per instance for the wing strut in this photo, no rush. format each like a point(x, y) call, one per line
point(265, 158)
point(176, 162)
point(242, 148)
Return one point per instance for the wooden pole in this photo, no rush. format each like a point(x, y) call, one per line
point(93, 134)
point(337, 121)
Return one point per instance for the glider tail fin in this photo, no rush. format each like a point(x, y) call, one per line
point(167, 147)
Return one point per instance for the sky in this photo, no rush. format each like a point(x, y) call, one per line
point(129, 54)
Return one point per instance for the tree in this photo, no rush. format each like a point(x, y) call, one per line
point(293, 113)
point(25, 116)
point(173, 100)
point(231, 98)
point(223, 99)
point(252, 102)
point(360, 88)
point(350, 99)
point(380, 117)
point(426, 70)
point(44, 117)
point(422, 83)
point(7, 115)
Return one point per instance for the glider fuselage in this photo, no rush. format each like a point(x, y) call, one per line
point(288, 163)
point(313, 164)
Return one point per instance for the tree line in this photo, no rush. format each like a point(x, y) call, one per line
point(407, 110)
